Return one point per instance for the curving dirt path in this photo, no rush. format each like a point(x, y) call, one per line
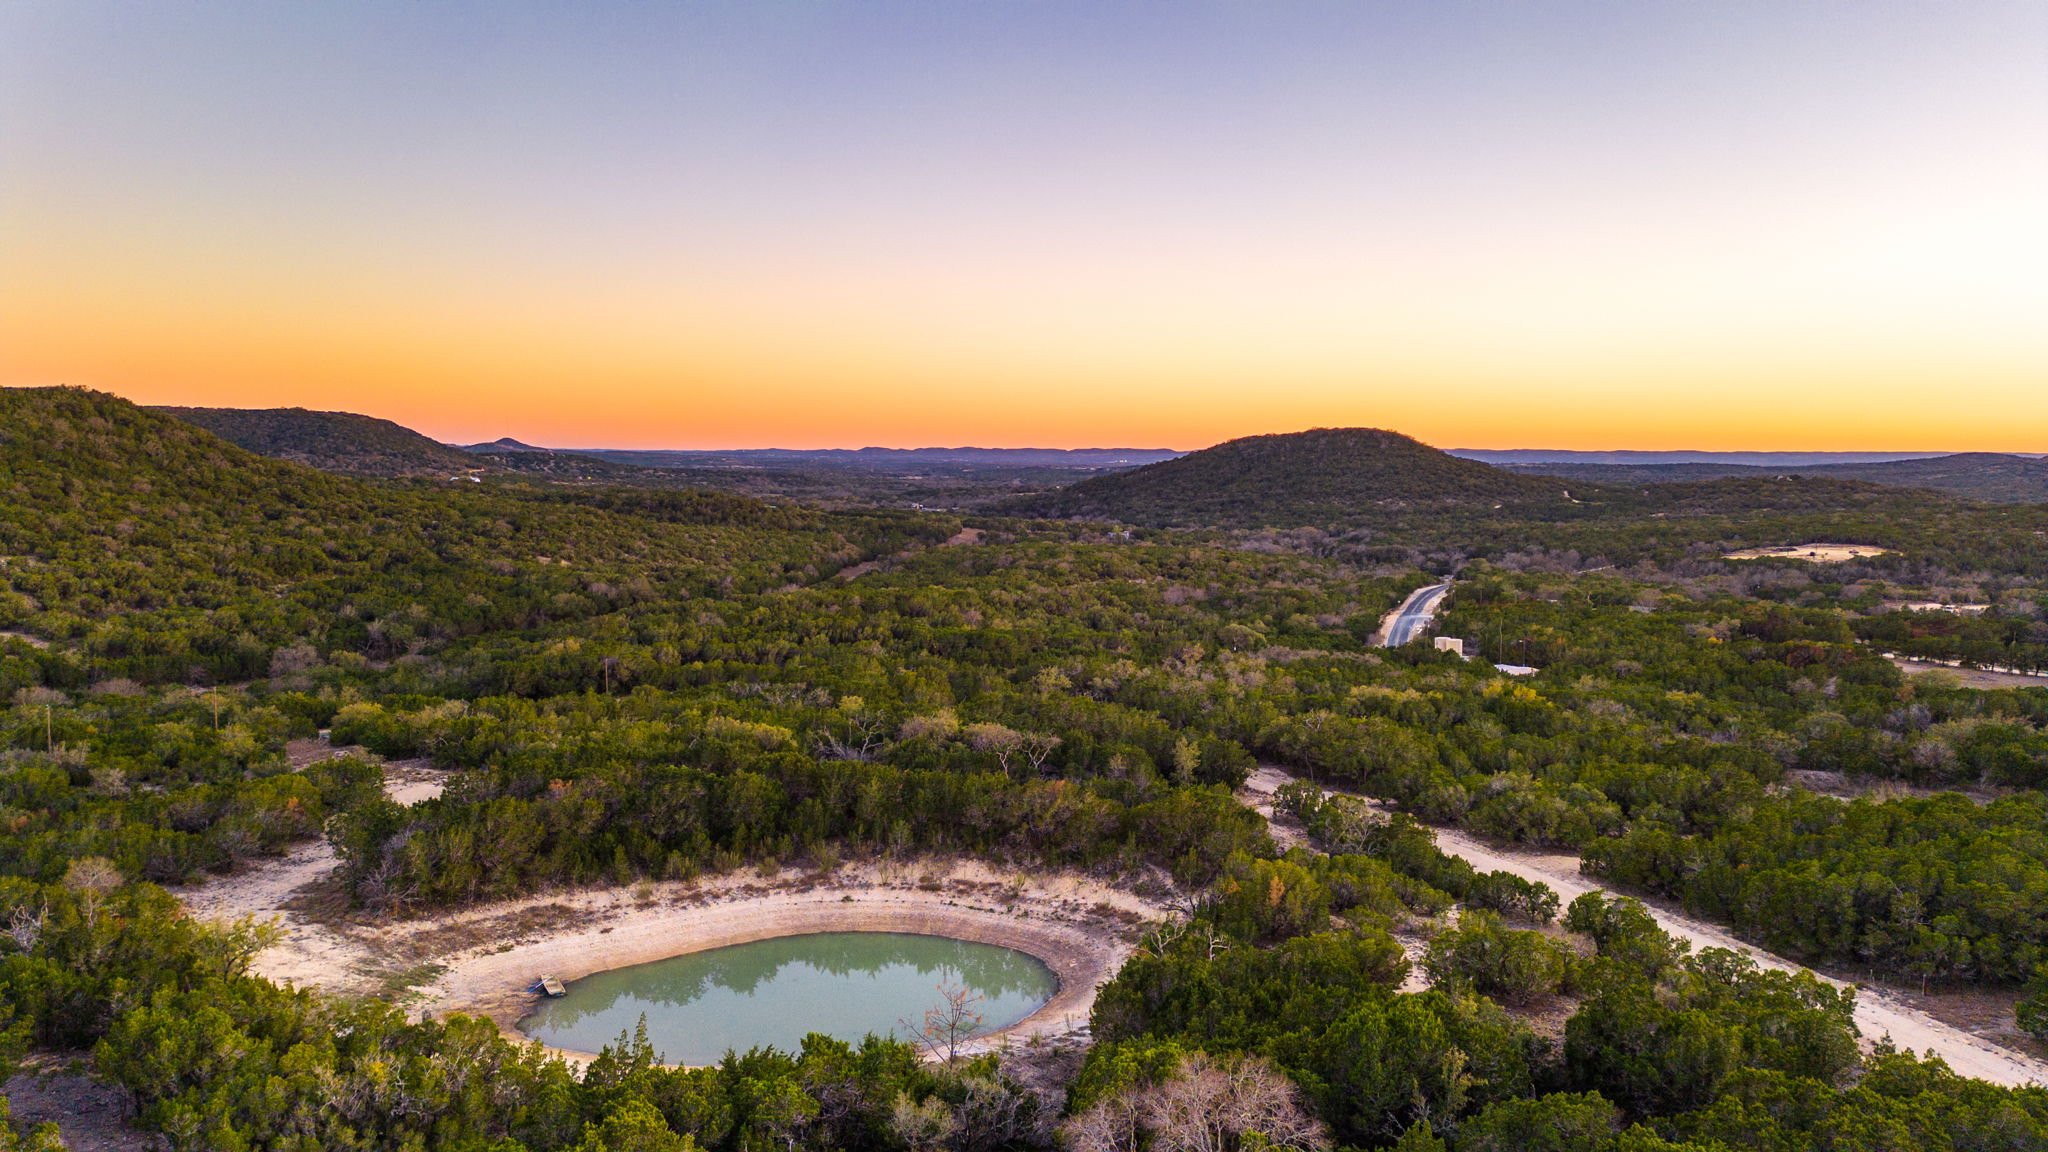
point(305, 953)
point(1878, 1013)
point(964, 536)
point(1968, 676)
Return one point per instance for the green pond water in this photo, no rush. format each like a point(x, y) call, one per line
point(844, 984)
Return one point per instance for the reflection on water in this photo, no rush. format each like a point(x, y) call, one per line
point(844, 984)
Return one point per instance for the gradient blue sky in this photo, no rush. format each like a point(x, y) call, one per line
point(1580, 225)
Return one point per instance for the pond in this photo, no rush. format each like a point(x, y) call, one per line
point(844, 984)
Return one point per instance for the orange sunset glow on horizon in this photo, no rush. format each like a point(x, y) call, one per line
point(1742, 227)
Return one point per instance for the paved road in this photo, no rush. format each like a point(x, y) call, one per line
point(1414, 614)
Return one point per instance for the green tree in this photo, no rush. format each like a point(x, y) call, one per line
point(635, 1125)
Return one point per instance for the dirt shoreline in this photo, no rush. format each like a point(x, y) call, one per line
point(481, 960)
point(1083, 945)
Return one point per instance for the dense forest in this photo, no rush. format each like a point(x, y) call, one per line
point(634, 683)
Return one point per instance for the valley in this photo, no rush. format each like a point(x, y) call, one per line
point(311, 775)
point(893, 577)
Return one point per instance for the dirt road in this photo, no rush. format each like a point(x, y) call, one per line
point(1877, 1012)
point(1971, 677)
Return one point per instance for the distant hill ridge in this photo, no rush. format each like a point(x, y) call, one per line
point(504, 444)
point(1518, 456)
point(330, 441)
point(355, 445)
point(111, 508)
point(1325, 475)
point(877, 458)
point(1994, 477)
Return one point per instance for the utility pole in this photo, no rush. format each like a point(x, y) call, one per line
point(49, 731)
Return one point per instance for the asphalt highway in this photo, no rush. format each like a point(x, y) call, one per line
point(1414, 614)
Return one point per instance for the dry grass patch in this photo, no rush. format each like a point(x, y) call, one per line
point(1816, 553)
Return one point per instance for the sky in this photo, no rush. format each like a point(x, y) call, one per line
point(1576, 225)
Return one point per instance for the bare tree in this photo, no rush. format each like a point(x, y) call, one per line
point(999, 739)
point(1214, 942)
point(1158, 941)
point(25, 927)
point(780, 695)
point(991, 1113)
point(867, 732)
point(1209, 1105)
point(864, 736)
point(935, 726)
point(926, 1127)
point(1114, 1124)
point(92, 877)
point(950, 1025)
point(1038, 747)
point(996, 1112)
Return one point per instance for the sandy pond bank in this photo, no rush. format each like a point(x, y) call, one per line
point(1081, 930)
point(481, 960)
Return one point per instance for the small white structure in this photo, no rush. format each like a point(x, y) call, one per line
point(1450, 644)
point(1515, 669)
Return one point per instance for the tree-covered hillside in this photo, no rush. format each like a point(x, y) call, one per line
point(1401, 490)
point(1326, 476)
point(356, 445)
point(1993, 477)
point(330, 441)
point(173, 553)
point(1380, 498)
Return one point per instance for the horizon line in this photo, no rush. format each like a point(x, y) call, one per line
point(464, 442)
